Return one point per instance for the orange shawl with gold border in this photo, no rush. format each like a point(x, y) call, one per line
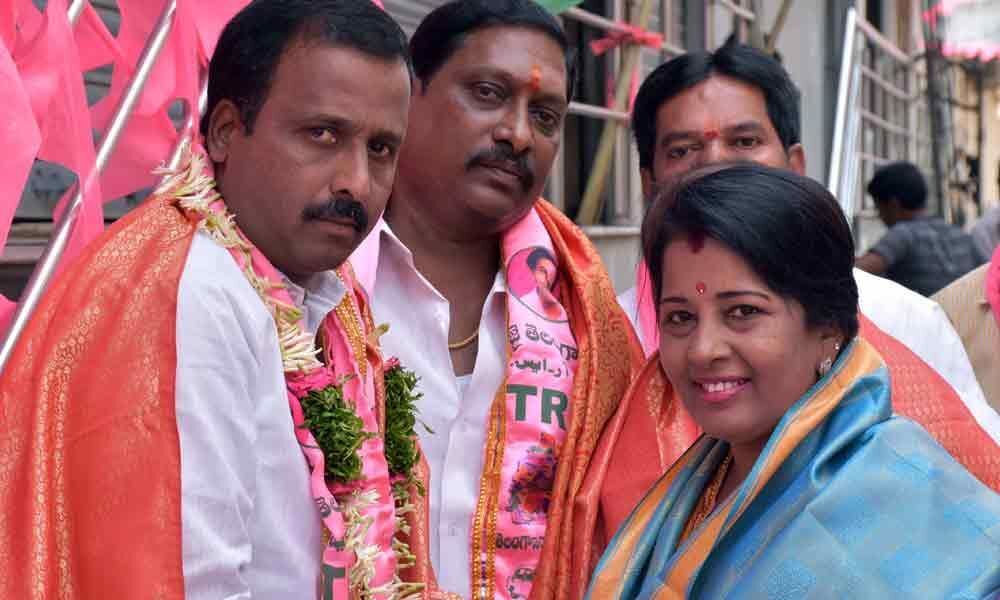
point(609, 356)
point(90, 501)
point(89, 451)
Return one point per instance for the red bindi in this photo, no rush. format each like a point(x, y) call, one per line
point(711, 134)
point(700, 287)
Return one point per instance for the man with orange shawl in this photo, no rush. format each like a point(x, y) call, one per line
point(739, 104)
point(516, 396)
point(172, 428)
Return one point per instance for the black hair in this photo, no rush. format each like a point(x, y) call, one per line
point(443, 31)
point(537, 255)
point(901, 180)
point(253, 42)
point(734, 60)
point(788, 228)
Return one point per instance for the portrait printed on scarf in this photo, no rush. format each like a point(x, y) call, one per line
point(532, 274)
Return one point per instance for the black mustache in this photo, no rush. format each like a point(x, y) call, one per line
point(504, 153)
point(339, 208)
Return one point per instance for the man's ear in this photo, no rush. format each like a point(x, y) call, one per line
point(648, 184)
point(223, 124)
point(797, 159)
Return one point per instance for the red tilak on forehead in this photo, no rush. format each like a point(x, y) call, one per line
point(536, 78)
point(711, 134)
point(700, 287)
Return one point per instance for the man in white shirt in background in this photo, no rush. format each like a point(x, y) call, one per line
point(738, 104)
point(493, 85)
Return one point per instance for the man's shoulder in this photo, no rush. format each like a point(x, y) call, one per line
point(874, 290)
point(973, 280)
point(212, 281)
point(960, 293)
point(907, 231)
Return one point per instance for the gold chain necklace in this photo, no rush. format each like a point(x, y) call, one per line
point(465, 342)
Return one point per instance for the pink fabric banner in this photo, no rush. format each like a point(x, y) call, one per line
point(67, 136)
point(49, 70)
point(20, 138)
point(150, 136)
point(95, 44)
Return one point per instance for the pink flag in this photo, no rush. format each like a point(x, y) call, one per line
point(146, 143)
point(95, 44)
point(20, 139)
point(8, 27)
point(150, 136)
point(67, 137)
point(210, 19)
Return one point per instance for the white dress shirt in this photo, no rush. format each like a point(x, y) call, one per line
point(456, 409)
point(916, 321)
point(249, 525)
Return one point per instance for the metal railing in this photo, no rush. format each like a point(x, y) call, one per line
point(881, 116)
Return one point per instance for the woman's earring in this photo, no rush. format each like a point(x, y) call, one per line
point(825, 366)
point(827, 363)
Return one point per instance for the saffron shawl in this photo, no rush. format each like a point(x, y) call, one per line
point(89, 448)
point(609, 355)
point(845, 501)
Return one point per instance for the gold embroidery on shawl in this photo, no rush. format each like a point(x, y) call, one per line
point(86, 414)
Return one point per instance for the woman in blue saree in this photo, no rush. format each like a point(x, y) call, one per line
point(804, 485)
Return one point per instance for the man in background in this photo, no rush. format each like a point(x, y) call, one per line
point(919, 251)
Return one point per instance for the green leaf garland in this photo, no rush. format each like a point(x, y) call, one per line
point(401, 397)
point(338, 431)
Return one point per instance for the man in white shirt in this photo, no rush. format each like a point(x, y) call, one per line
point(739, 104)
point(149, 448)
point(493, 84)
point(768, 132)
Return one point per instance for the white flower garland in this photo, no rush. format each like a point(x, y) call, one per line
point(195, 192)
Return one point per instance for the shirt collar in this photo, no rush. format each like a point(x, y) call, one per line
point(383, 244)
point(365, 257)
point(317, 296)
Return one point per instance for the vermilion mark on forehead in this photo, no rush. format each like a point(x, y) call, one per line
point(535, 82)
point(700, 287)
point(711, 134)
